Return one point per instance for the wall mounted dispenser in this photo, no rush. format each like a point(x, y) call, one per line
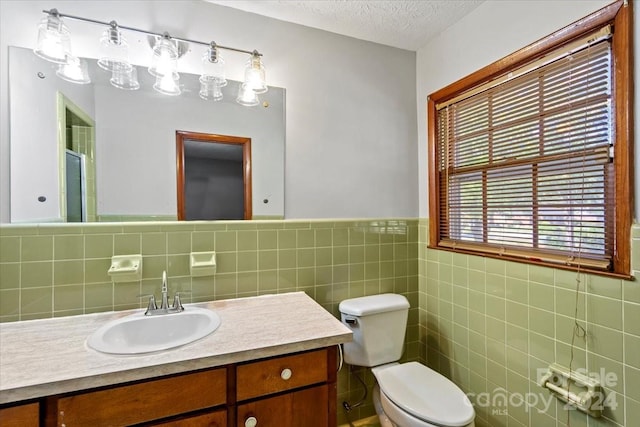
point(203, 263)
point(126, 268)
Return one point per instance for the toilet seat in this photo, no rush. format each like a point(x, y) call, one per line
point(424, 394)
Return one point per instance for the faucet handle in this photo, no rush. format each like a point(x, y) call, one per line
point(152, 302)
point(177, 304)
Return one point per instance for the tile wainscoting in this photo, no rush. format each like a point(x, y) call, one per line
point(60, 270)
point(490, 325)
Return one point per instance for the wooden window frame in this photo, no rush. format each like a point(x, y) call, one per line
point(618, 14)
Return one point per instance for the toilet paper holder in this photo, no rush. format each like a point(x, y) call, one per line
point(579, 390)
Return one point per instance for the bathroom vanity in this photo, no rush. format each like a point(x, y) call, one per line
point(272, 362)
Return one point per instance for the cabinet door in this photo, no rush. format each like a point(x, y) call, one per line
point(279, 374)
point(20, 416)
point(143, 402)
point(308, 408)
point(213, 419)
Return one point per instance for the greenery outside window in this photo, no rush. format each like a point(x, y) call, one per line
point(531, 157)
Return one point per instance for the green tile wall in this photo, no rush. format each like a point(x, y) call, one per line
point(61, 270)
point(489, 325)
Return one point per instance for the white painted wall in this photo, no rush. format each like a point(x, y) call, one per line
point(492, 31)
point(351, 122)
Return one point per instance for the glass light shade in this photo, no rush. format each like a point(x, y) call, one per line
point(213, 67)
point(247, 96)
point(114, 51)
point(167, 85)
point(254, 75)
point(126, 80)
point(210, 90)
point(54, 40)
point(74, 71)
point(165, 58)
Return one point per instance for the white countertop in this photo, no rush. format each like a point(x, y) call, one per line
point(49, 356)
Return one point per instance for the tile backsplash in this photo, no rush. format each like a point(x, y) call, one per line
point(59, 270)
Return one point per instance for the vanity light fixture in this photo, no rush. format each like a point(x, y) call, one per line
point(114, 50)
point(74, 71)
point(54, 45)
point(254, 74)
point(213, 77)
point(164, 66)
point(164, 58)
point(168, 84)
point(210, 89)
point(54, 40)
point(125, 80)
point(247, 96)
point(213, 66)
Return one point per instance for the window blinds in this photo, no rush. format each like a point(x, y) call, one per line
point(525, 166)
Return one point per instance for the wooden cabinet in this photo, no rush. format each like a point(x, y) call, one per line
point(289, 391)
point(270, 376)
point(141, 402)
point(306, 408)
point(25, 415)
point(284, 391)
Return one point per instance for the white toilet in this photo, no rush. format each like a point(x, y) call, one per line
point(407, 394)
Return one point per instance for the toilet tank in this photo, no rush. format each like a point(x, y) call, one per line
point(378, 323)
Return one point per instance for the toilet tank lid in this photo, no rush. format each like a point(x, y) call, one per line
point(373, 304)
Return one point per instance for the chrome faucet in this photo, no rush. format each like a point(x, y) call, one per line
point(165, 300)
point(164, 308)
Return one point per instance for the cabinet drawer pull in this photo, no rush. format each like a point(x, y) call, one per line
point(251, 422)
point(285, 374)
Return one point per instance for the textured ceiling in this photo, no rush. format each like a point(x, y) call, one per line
point(398, 23)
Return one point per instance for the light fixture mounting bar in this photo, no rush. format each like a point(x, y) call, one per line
point(55, 12)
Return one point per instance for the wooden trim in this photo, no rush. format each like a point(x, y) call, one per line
point(532, 52)
point(246, 167)
point(624, 168)
point(181, 136)
point(180, 174)
point(595, 272)
point(434, 175)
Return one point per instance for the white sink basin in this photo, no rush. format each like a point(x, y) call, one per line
point(137, 333)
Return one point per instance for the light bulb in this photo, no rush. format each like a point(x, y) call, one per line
point(54, 40)
point(167, 85)
point(74, 71)
point(254, 74)
point(247, 96)
point(165, 58)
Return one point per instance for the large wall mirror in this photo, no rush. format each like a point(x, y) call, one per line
point(114, 150)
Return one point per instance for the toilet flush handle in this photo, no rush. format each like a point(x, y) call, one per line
point(351, 321)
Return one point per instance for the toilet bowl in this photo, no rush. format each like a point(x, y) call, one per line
point(412, 395)
point(407, 394)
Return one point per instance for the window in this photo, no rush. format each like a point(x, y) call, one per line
point(532, 161)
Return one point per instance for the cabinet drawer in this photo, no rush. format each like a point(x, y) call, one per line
point(27, 415)
point(280, 374)
point(142, 402)
point(308, 408)
point(212, 419)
